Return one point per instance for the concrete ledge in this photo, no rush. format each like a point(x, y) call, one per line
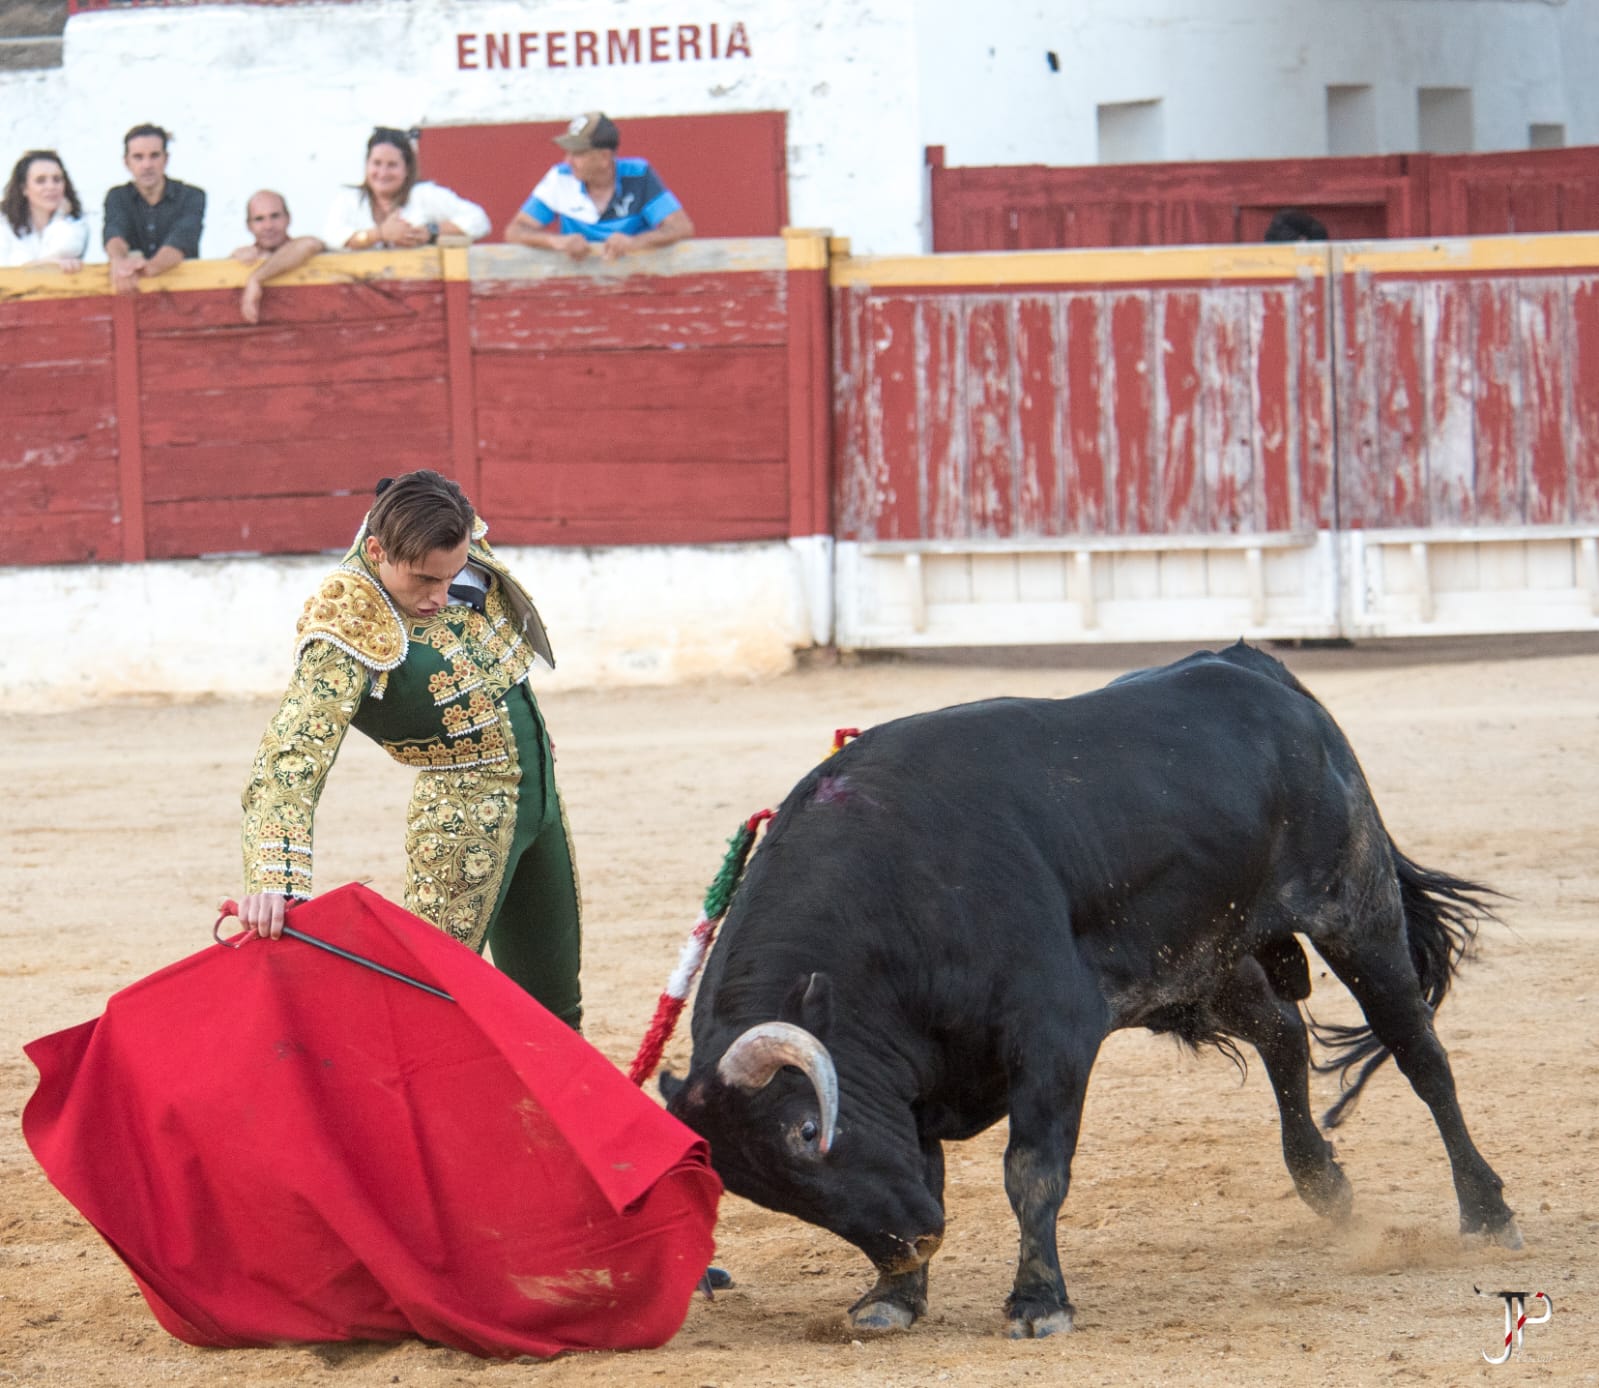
point(225, 627)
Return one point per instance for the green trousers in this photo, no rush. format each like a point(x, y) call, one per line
point(489, 861)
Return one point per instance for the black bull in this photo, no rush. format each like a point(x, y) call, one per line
point(947, 918)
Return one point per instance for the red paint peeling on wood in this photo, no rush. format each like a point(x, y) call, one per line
point(1181, 499)
point(1400, 405)
point(990, 445)
point(1544, 330)
point(1451, 496)
point(1496, 394)
point(1039, 482)
point(1583, 451)
point(1131, 412)
point(892, 495)
point(939, 337)
point(1226, 399)
point(1088, 470)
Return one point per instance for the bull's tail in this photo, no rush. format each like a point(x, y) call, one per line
point(1442, 914)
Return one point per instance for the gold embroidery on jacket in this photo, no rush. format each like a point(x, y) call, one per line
point(460, 829)
point(291, 766)
point(481, 666)
point(350, 609)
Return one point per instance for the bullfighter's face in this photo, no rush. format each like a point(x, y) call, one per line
point(419, 589)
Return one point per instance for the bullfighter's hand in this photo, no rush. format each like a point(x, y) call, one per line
point(262, 914)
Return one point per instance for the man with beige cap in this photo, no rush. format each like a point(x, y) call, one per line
point(597, 204)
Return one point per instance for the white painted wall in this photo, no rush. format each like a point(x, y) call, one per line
point(225, 627)
point(1244, 79)
point(286, 96)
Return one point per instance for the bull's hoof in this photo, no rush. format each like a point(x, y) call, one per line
point(881, 1315)
point(1037, 1327)
point(1328, 1192)
point(1505, 1233)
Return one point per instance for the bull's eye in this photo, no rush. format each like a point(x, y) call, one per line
point(808, 1130)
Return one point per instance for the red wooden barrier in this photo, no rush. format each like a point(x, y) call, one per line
point(1034, 207)
point(1379, 196)
point(1133, 393)
point(59, 483)
point(680, 399)
point(1468, 384)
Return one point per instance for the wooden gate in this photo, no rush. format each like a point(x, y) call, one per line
point(1468, 413)
point(1358, 440)
point(1084, 446)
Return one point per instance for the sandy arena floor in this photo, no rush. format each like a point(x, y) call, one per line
point(1187, 1254)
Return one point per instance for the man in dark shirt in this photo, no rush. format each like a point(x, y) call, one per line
point(154, 222)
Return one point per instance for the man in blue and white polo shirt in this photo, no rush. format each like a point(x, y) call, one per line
point(596, 203)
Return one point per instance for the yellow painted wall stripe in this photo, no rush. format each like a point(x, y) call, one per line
point(806, 247)
point(348, 267)
point(1472, 254)
point(1141, 265)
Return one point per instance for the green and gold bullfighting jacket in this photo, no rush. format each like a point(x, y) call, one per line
point(430, 692)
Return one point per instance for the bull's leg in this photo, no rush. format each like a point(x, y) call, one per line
point(900, 1298)
point(1384, 983)
point(1249, 1008)
point(1044, 1122)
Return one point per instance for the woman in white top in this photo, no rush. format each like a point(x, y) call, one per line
point(392, 209)
point(41, 219)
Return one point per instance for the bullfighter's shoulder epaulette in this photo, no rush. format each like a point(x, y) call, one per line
point(350, 609)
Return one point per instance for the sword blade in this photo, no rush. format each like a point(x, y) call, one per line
point(365, 963)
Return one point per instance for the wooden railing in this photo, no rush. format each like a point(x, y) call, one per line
point(676, 398)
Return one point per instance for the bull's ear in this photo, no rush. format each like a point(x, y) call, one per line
point(810, 1004)
point(671, 1086)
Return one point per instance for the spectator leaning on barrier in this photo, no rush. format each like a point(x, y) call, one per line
point(154, 222)
point(392, 208)
point(41, 219)
point(273, 252)
point(596, 203)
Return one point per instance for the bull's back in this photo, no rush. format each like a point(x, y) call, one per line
point(1179, 779)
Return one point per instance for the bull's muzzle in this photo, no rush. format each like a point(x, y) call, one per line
point(909, 1255)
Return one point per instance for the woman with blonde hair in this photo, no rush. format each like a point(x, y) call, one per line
point(41, 219)
point(392, 207)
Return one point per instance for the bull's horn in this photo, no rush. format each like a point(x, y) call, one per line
point(763, 1050)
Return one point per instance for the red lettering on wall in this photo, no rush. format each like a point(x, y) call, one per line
point(659, 43)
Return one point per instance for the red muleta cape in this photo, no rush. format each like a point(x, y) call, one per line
point(285, 1146)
